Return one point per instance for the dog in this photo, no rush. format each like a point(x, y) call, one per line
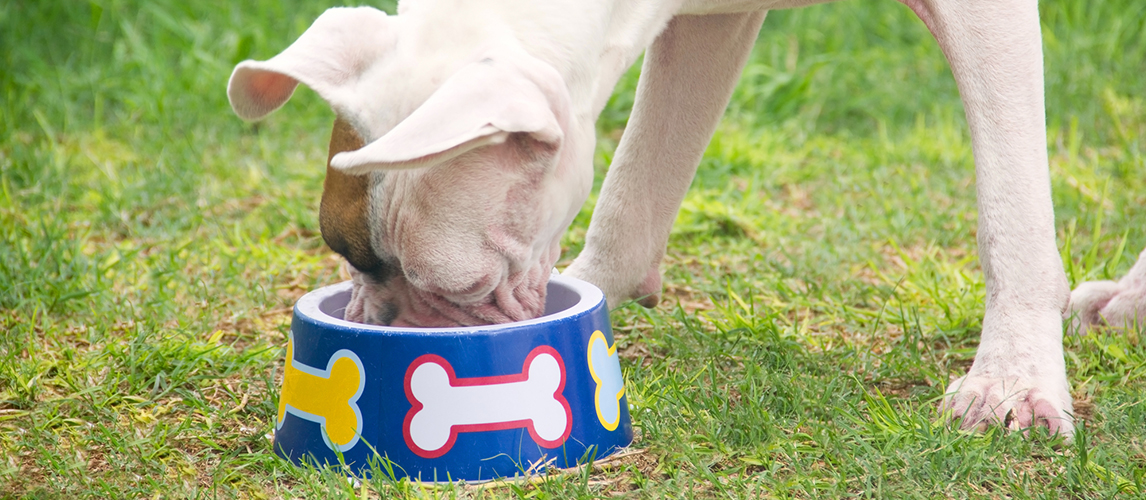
point(463, 147)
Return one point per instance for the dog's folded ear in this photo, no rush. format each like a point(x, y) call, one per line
point(340, 44)
point(481, 104)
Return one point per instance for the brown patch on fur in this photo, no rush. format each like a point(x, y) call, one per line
point(342, 215)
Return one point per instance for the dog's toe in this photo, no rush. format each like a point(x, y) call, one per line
point(979, 402)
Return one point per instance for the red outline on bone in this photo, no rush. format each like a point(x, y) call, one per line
point(498, 406)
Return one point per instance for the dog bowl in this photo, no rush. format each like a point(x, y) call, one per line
point(449, 404)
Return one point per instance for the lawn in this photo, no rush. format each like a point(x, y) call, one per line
point(821, 281)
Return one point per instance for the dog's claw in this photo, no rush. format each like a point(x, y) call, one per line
point(977, 402)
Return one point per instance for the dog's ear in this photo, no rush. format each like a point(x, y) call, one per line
point(340, 44)
point(481, 104)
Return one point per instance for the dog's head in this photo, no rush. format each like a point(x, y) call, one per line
point(452, 170)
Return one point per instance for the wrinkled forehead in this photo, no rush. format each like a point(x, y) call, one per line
point(469, 183)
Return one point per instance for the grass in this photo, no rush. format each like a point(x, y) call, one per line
point(821, 281)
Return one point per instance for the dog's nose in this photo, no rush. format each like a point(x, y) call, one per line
point(382, 314)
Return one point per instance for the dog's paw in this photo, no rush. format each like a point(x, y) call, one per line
point(979, 401)
point(620, 283)
point(1086, 303)
point(1101, 303)
point(648, 293)
point(1119, 304)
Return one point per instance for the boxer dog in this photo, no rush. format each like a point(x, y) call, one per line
point(464, 141)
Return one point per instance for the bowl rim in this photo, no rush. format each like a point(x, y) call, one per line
point(308, 308)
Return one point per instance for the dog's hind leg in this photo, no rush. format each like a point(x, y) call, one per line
point(1018, 377)
point(686, 81)
point(1120, 304)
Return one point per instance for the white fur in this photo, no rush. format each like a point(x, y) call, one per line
point(443, 85)
point(480, 105)
point(1120, 304)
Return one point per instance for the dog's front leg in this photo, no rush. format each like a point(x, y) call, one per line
point(1018, 377)
point(687, 78)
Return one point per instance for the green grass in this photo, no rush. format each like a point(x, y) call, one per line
point(821, 281)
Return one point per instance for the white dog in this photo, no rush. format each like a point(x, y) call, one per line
point(464, 141)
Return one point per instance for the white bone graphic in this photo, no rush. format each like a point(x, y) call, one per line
point(444, 405)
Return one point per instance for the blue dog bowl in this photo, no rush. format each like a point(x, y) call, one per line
point(449, 404)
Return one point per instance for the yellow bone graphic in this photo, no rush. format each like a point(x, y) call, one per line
point(328, 397)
